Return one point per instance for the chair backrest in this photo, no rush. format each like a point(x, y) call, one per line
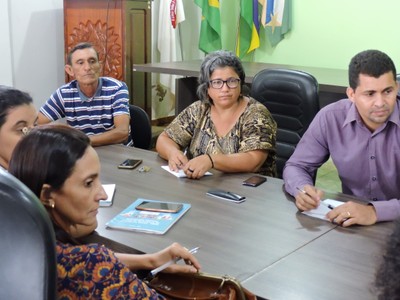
point(140, 127)
point(292, 98)
point(28, 267)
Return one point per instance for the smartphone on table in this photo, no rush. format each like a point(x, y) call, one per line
point(160, 206)
point(226, 195)
point(254, 181)
point(130, 163)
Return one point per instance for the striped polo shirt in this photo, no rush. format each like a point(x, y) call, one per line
point(93, 115)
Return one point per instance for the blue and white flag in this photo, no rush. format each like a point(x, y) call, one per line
point(276, 18)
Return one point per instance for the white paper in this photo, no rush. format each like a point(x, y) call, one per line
point(321, 211)
point(180, 173)
point(109, 189)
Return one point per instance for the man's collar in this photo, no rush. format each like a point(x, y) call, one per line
point(395, 116)
point(97, 93)
point(352, 115)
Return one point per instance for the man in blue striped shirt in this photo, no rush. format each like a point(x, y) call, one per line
point(98, 106)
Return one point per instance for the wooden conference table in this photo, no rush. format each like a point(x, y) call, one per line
point(276, 252)
point(332, 82)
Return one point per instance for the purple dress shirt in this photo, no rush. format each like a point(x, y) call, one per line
point(368, 163)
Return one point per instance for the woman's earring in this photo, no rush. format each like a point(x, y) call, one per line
point(49, 203)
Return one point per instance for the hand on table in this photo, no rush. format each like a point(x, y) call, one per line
point(177, 160)
point(351, 213)
point(197, 167)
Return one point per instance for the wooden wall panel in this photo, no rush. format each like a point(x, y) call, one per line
point(100, 22)
point(120, 30)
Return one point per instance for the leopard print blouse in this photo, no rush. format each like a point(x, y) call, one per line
point(255, 130)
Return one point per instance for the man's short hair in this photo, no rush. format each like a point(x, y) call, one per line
point(372, 63)
point(80, 46)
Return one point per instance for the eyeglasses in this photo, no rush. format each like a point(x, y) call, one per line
point(232, 83)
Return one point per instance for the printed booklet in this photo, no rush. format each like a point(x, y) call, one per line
point(148, 221)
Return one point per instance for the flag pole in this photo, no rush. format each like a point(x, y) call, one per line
point(180, 40)
point(237, 35)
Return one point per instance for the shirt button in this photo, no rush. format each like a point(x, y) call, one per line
point(373, 178)
point(372, 157)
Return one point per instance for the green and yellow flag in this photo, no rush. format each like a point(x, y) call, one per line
point(249, 26)
point(210, 30)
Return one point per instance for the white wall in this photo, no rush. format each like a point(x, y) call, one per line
point(31, 58)
point(5, 45)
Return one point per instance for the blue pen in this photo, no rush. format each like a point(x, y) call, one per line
point(322, 202)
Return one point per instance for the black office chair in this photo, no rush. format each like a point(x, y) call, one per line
point(292, 98)
point(140, 127)
point(28, 268)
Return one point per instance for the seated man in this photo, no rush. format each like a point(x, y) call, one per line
point(361, 134)
point(96, 105)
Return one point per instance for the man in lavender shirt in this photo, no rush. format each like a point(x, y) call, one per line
point(362, 136)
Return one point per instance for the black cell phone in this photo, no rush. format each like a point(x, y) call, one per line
point(129, 163)
point(254, 181)
point(160, 206)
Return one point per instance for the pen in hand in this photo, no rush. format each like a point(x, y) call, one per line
point(172, 261)
point(321, 202)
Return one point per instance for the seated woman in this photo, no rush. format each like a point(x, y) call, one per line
point(58, 164)
point(224, 130)
point(17, 116)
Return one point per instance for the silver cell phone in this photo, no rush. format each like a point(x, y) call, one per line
point(254, 181)
point(130, 163)
point(160, 206)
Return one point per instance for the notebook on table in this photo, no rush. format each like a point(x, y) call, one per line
point(146, 221)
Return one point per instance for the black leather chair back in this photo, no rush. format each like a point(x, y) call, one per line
point(140, 127)
point(28, 267)
point(292, 98)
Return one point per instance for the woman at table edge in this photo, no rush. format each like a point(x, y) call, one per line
point(17, 116)
point(225, 130)
point(58, 164)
